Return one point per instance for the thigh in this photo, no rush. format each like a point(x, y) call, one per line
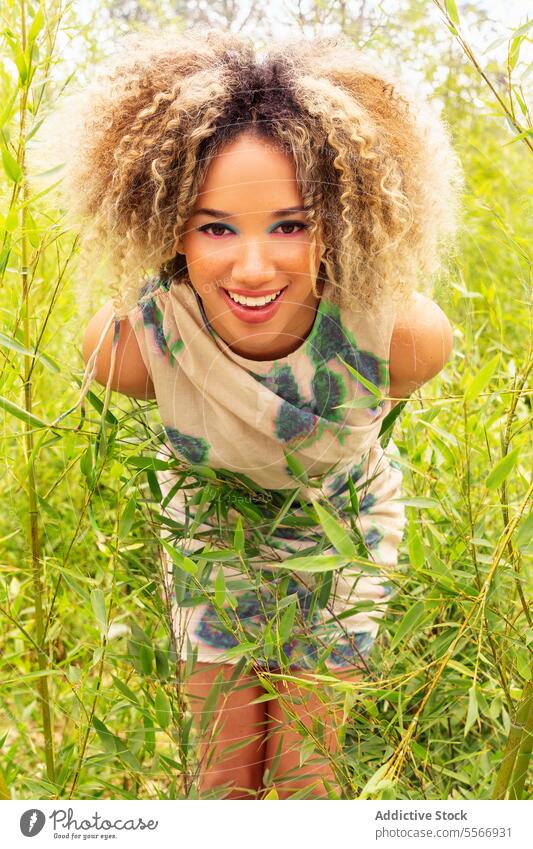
point(230, 729)
point(287, 741)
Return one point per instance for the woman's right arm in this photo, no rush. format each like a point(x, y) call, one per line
point(130, 375)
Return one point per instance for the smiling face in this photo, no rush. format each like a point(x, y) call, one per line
point(246, 240)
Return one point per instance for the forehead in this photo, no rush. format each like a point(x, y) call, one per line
point(250, 171)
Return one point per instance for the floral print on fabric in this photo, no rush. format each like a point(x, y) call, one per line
point(195, 449)
point(329, 338)
point(152, 317)
point(302, 422)
point(310, 638)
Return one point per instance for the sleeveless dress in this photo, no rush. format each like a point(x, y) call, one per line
point(303, 621)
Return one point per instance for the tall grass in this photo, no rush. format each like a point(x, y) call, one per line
point(91, 689)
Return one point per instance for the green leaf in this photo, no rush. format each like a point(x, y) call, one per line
point(163, 711)
point(20, 413)
point(418, 501)
point(87, 462)
point(238, 536)
point(180, 560)
point(107, 738)
point(325, 590)
point(502, 469)
point(320, 563)
point(357, 403)
point(220, 587)
point(8, 342)
point(388, 422)
point(306, 750)
point(125, 690)
point(480, 380)
point(514, 52)
point(99, 610)
point(127, 519)
point(272, 794)
point(524, 534)
point(366, 383)
point(210, 702)
point(149, 735)
point(451, 8)
point(376, 782)
point(220, 554)
point(146, 657)
point(268, 641)
point(147, 463)
point(236, 651)
point(523, 662)
point(10, 224)
point(354, 500)
point(287, 622)
point(415, 544)
point(99, 406)
point(203, 471)
point(296, 467)
point(472, 712)
point(36, 26)
point(524, 29)
point(409, 622)
point(265, 697)
point(32, 231)
point(15, 345)
point(445, 435)
point(11, 166)
point(161, 664)
point(5, 115)
point(336, 533)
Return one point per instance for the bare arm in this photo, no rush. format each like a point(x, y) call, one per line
point(130, 375)
point(421, 345)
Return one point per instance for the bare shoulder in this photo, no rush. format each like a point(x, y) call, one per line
point(421, 345)
point(130, 375)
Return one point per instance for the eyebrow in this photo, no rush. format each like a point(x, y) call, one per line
point(277, 213)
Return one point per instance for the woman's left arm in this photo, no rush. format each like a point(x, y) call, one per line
point(421, 345)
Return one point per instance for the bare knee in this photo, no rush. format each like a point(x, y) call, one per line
point(231, 736)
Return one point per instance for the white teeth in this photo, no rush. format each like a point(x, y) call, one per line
point(253, 302)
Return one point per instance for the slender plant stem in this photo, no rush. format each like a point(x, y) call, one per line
point(467, 50)
point(518, 741)
point(42, 657)
point(524, 753)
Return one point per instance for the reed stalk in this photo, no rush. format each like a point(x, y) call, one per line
point(36, 561)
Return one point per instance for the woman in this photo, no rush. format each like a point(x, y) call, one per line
point(288, 204)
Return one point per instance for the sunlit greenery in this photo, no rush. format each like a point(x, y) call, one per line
point(91, 700)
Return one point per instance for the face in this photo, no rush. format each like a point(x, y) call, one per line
point(247, 249)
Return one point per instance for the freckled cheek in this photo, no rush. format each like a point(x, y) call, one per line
point(212, 260)
point(294, 258)
point(206, 263)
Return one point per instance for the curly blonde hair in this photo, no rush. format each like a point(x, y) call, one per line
point(374, 163)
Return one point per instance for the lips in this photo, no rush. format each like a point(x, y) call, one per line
point(254, 315)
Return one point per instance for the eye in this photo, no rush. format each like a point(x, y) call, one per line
point(218, 229)
point(206, 227)
point(299, 224)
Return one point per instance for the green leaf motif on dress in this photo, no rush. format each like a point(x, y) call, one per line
point(330, 338)
point(300, 422)
point(153, 318)
point(195, 449)
point(329, 391)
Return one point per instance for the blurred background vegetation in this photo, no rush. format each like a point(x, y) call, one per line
point(89, 706)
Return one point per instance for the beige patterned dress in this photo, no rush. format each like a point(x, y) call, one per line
point(228, 412)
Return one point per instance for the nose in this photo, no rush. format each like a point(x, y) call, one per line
point(253, 266)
